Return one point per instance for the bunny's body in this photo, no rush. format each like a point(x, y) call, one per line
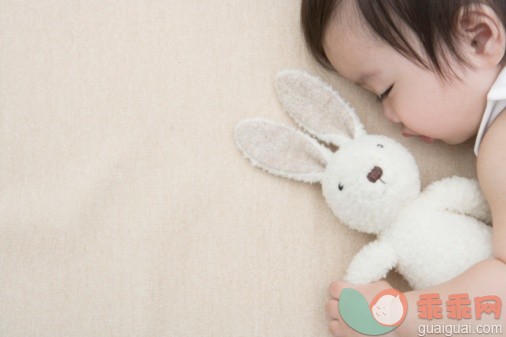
point(372, 185)
point(429, 242)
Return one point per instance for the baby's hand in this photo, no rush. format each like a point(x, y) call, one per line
point(336, 325)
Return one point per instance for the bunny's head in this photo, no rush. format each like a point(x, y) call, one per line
point(366, 182)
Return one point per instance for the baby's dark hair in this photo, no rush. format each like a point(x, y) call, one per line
point(433, 22)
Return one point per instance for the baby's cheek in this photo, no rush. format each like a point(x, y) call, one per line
point(416, 119)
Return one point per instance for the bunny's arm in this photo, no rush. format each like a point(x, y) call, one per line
point(459, 195)
point(372, 263)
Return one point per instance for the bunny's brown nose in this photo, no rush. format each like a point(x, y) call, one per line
point(375, 174)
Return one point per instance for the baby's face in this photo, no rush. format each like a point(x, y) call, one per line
point(417, 99)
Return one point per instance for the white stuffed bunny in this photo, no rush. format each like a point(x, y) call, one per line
point(372, 185)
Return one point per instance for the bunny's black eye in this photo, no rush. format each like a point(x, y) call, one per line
point(340, 187)
point(380, 145)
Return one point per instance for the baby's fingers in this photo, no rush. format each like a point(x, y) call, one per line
point(335, 327)
point(332, 309)
point(335, 289)
point(335, 324)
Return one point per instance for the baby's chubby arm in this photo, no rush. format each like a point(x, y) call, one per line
point(491, 168)
point(372, 263)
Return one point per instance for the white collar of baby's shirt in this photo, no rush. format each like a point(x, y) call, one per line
point(498, 90)
point(496, 93)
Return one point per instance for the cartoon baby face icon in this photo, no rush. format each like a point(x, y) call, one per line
point(389, 307)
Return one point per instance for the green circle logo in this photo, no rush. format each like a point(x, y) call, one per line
point(385, 313)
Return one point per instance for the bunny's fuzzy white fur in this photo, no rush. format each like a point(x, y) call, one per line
point(372, 185)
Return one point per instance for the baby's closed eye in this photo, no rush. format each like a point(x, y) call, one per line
point(384, 95)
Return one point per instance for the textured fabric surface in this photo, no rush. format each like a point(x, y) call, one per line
point(126, 208)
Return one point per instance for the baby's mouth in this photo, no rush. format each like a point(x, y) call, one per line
point(424, 139)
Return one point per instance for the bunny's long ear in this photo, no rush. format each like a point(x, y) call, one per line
point(282, 151)
point(317, 108)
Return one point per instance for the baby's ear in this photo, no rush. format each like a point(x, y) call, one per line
point(481, 34)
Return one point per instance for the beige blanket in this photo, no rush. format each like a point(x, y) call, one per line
point(125, 207)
